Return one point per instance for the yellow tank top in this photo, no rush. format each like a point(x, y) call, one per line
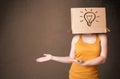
point(85, 51)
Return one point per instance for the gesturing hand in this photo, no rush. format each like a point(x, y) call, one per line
point(80, 62)
point(46, 57)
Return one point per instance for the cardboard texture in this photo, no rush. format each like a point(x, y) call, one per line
point(88, 20)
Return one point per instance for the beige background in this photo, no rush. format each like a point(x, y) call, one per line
point(29, 28)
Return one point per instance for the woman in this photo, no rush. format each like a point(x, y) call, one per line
point(87, 52)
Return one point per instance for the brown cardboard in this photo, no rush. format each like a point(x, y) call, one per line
point(88, 20)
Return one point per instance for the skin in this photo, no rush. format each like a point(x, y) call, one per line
point(88, 38)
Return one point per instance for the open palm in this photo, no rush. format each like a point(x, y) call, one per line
point(46, 57)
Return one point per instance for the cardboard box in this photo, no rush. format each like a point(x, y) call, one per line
point(88, 20)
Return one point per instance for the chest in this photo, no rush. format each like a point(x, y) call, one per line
point(85, 48)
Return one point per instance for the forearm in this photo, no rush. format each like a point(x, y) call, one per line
point(96, 61)
point(66, 59)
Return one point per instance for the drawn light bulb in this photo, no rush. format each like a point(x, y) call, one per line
point(89, 17)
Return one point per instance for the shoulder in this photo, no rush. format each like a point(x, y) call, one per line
point(75, 38)
point(102, 36)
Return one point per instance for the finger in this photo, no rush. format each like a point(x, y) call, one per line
point(45, 54)
point(38, 60)
point(42, 59)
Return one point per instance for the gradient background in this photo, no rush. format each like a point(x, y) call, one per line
point(29, 28)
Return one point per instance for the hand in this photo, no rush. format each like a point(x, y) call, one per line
point(46, 57)
point(80, 61)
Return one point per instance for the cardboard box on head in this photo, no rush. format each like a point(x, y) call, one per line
point(88, 20)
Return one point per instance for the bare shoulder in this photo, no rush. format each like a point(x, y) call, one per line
point(103, 36)
point(75, 38)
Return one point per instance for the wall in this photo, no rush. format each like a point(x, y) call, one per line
point(29, 28)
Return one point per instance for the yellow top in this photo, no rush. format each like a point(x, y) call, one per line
point(85, 51)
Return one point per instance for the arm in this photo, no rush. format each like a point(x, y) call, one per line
point(103, 55)
point(66, 59)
